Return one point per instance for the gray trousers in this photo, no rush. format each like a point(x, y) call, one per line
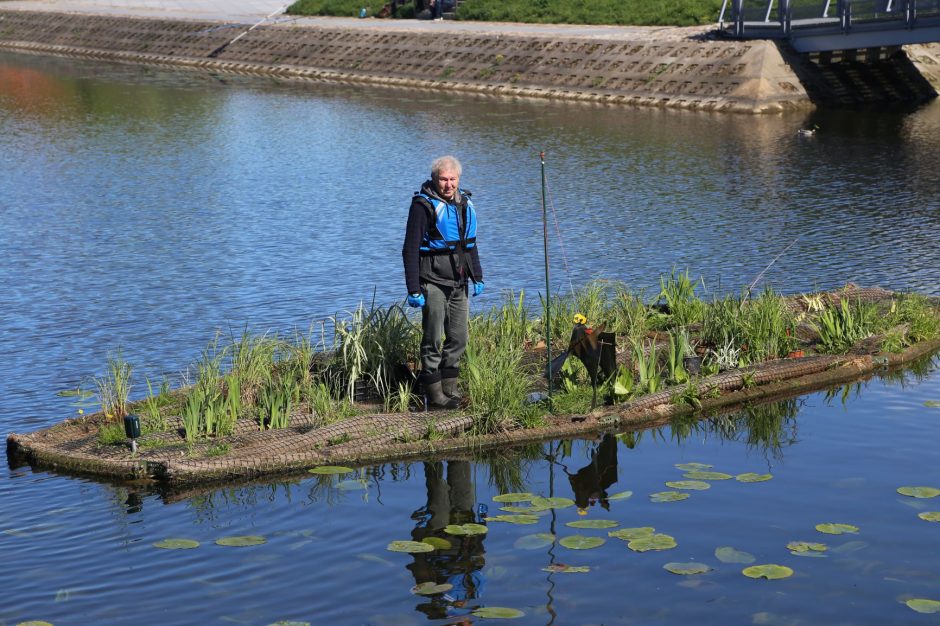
point(444, 324)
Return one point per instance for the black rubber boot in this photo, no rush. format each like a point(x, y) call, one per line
point(451, 388)
point(436, 397)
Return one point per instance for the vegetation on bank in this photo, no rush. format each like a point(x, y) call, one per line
point(622, 12)
point(366, 358)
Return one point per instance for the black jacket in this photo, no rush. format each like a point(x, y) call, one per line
point(443, 269)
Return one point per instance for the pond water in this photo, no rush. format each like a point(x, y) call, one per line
point(148, 210)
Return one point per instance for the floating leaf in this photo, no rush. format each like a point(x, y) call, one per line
point(751, 477)
point(430, 588)
point(409, 546)
point(652, 542)
point(34, 623)
point(534, 542)
point(850, 547)
point(75, 393)
point(438, 543)
point(693, 467)
point(933, 404)
point(620, 495)
point(629, 534)
point(241, 541)
point(350, 485)
point(561, 568)
point(686, 569)
point(703, 475)
point(930, 516)
point(552, 503)
point(331, 469)
point(289, 623)
point(514, 519)
point(525, 510)
point(497, 612)
point(593, 523)
point(694, 485)
point(727, 554)
point(919, 492)
point(836, 529)
point(581, 542)
point(465, 529)
point(514, 497)
point(668, 496)
point(806, 546)
point(176, 544)
point(923, 605)
point(769, 571)
point(816, 555)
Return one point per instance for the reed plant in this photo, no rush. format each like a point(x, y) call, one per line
point(252, 360)
point(497, 386)
point(768, 328)
point(722, 322)
point(509, 324)
point(841, 327)
point(115, 387)
point(677, 291)
point(678, 342)
point(645, 362)
point(153, 418)
point(275, 402)
point(630, 316)
point(192, 413)
point(231, 406)
point(915, 317)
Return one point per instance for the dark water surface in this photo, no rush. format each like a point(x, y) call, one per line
point(147, 210)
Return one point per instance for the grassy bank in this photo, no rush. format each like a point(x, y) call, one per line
point(616, 12)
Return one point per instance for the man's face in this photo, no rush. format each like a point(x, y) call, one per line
point(446, 183)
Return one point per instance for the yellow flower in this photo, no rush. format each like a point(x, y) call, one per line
point(81, 412)
point(579, 319)
point(582, 511)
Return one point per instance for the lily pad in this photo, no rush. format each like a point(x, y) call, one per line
point(930, 516)
point(75, 393)
point(534, 542)
point(241, 541)
point(514, 497)
point(513, 519)
point(430, 588)
point(581, 542)
point(438, 543)
point(751, 477)
point(410, 547)
point(923, 605)
point(620, 495)
point(351, 485)
point(593, 523)
point(331, 469)
point(525, 510)
point(465, 529)
point(694, 485)
point(919, 492)
point(933, 404)
point(552, 503)
point(693, 466)
point(770, 571)
point(806, 546)
point(727, 554)
point(668, 496)
point(629, 534)
point(561, 568)
point(652, 542)
point(836, 529)
point(703, 475)
point(34, 622)
point(686, 569)
point(497, 612)
point(176, 544)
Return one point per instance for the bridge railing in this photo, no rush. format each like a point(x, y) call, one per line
point(778, 18)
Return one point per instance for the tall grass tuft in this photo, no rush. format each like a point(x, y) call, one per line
point(841, 327)
point(630, 315)
point(115, 387)
point(252, 359)
point(677, 291)
point(153, 419)
point(497, 385)
point(768, 328)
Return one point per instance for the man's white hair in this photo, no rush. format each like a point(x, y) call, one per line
point(445, 163)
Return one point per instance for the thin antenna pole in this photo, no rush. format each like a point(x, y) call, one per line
point(548, 284)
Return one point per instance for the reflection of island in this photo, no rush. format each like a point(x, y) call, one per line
point(450, 501)
point(590, 483)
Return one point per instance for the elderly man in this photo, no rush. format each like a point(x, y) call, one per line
point(441, 260)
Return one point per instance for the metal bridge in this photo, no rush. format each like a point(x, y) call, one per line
point(828, 25)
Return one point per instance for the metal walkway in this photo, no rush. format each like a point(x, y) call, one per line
point(829, 25)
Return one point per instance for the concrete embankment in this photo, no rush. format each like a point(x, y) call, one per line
point(671, 67)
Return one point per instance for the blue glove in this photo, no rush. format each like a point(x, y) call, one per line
point(477, 289)
point(416, 300)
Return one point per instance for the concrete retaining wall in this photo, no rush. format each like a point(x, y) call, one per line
point(691, 72)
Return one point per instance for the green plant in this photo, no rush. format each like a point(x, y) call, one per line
point(722, 322)
point(678, 292)
point(631, 316)
point(841, 327)
point(231, 406)
point(275, 403)
point(725, 357)
point(400, 402)
point(111, 434)
point(688, 394)
point(678, 342)
point(252, 361)
point(114, 388)
point(914, 318)
point(497, 385)
point(623, 384)
point(649, 380)
point(152, 418)
point(768, 328)
point(218, 450)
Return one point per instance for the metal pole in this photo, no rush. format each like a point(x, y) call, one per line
point(548, 284)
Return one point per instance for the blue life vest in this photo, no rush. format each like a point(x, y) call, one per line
point(448, 231)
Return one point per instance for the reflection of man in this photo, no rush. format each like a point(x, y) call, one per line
point(450, 501)
point(590, 483)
